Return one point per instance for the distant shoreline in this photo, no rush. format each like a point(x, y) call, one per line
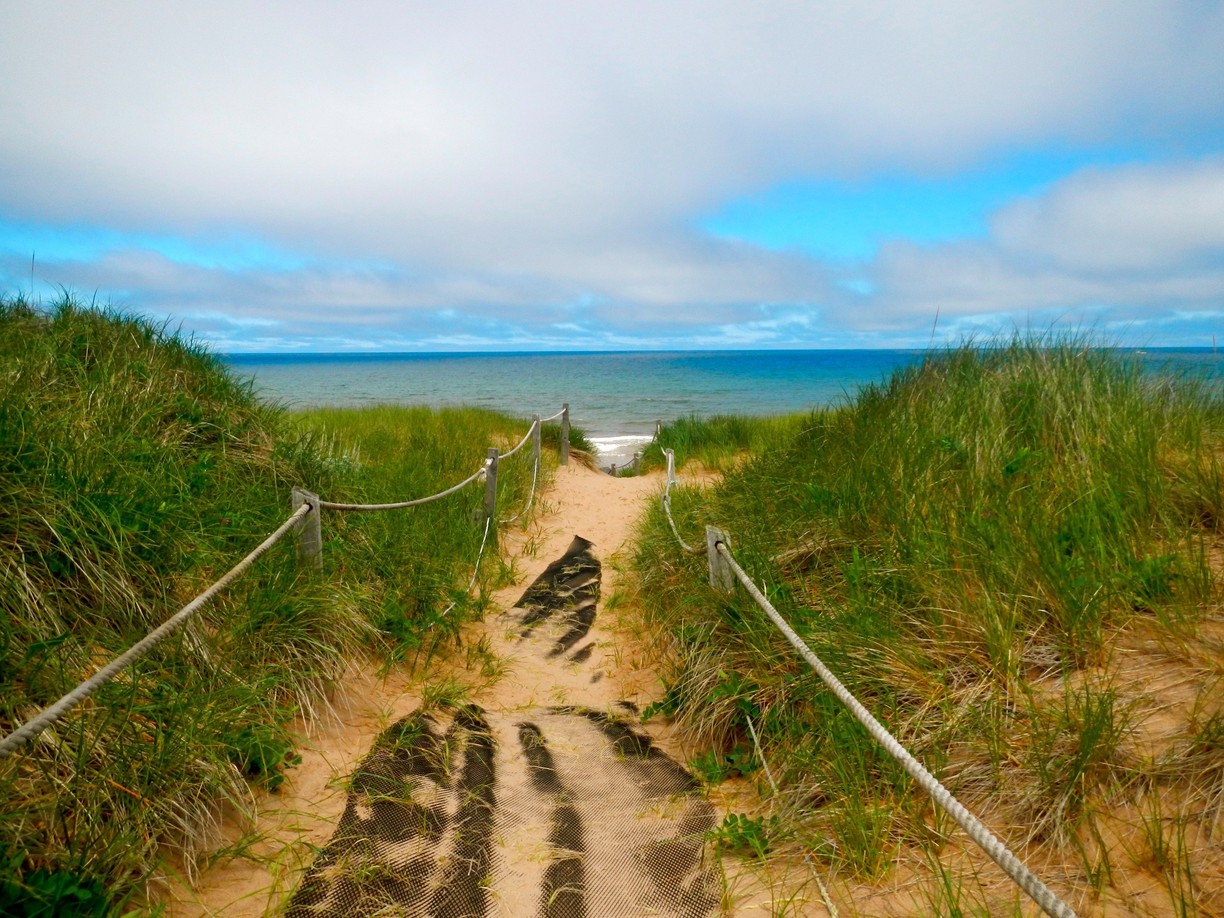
point(612, 395)
point(248, 357)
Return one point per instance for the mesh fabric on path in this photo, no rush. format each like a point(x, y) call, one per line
point(522, 809)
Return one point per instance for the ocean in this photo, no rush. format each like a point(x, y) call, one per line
point(616, 398)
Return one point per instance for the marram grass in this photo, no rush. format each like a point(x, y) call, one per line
point(134, 470)
point(966, 545)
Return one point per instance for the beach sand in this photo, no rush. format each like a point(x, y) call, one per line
point(261, 864)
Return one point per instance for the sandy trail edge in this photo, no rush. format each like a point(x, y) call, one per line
point(293, 823)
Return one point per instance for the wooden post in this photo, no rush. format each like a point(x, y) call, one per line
point(637, 463)
point(309, 530)
point(612, 470)
point(658, 428)
point(565, 434)
point(535, 438)
point(490, 501)
point(722, 578)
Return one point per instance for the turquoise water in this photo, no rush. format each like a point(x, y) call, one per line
point(616, 398)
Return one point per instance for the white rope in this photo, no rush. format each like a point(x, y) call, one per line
point(535, 475)
point(49, 715)
point(756, 742)
point(521, 443)
point(671, 479)
point(365, 508)
point(554, 417)
point(824, 892)
point(475, 570)
point(977, 830)
point(54, 712)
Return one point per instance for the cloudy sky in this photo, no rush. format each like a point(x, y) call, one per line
point(509, 176)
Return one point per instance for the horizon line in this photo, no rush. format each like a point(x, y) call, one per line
point(229, 355)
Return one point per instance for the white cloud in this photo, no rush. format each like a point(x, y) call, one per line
point(1135, 219)
point(1123, 246)
point(542, 163)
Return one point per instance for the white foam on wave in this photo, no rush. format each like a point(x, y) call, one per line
point(612, 441)
point(618, 448)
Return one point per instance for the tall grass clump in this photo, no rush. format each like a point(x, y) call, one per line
point(718, 441)
point(135, 470)
point(397, 453)
point(962, 545)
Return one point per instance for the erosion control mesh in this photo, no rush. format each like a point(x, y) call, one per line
point(553, 811)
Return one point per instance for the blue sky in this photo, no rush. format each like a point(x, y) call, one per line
point(411, 176)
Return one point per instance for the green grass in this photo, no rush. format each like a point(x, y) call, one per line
point(420, 557)
point(719, 441)
point(960, 545)
point(134, 470)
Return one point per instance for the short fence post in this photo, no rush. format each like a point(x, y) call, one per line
point(637, 463)
point(309, 530)
point(658, 429)
point(535, 438)
point(490, 502)
point(565, 434)
point(612, 470)
point(722, 578)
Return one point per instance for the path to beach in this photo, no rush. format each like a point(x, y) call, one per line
point(537, 791)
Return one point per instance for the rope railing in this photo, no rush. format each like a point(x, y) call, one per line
point(535, 424)
point(724, 571)
point(400, 505)
point(534, 433)
point(475, 568)
point(305, 518)
point(671, 480)
point(49, 715)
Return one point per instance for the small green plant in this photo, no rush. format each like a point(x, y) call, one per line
point(667, 706)
point(447, 692)
point(715, 767)
point(744, 834)
point(45, 893)
point(263, 752)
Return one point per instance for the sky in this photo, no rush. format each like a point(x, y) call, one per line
point(409, 176)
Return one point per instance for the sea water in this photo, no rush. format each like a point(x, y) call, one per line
point(616, 398)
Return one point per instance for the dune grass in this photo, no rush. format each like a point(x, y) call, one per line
point(719, 441)
point(966, 546)
point(134, 470)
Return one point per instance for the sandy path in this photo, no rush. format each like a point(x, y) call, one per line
point(500, 672)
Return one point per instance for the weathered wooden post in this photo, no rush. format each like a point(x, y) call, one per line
point(637, 463)
point(565, 434)
point(490, 501)
point(309, 530)
point(722, 578)
point(612, 470)
point(658, 428)
point(535, 438)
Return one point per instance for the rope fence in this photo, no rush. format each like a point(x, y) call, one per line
point(724, 571)
point(534, 436)
point(535, 426)
point(306, 519)
point(54, 712)
point(400, 505)
point(671, 480)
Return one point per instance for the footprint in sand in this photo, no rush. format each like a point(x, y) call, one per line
point(562, 810)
